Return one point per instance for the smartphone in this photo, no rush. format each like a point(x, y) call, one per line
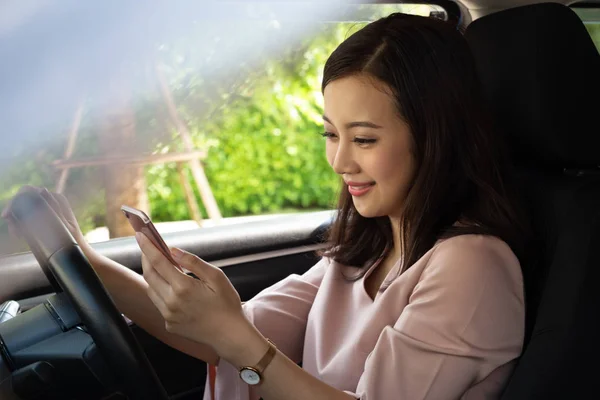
point(142, 223)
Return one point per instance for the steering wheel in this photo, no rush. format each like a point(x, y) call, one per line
point(69, 270)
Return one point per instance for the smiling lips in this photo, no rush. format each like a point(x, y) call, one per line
point(359, 188)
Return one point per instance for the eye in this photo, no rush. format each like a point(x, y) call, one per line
point(328, 135)
point(364, 141)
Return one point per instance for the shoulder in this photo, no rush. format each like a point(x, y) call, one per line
point(469, 301)
point(474, 248)
point(473, 259)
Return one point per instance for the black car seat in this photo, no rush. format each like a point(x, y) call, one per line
point(540, 72)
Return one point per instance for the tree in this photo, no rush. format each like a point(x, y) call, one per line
point(123, 184)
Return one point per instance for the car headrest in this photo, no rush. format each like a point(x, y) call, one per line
point(540, 72)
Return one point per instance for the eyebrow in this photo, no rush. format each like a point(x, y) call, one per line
point(356, 124)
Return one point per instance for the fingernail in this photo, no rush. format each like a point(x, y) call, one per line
point(177, 253)
point(138, 236)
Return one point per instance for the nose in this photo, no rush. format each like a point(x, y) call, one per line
point(342, 160)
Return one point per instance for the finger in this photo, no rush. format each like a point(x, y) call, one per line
point(65, 206)
point(154, 280)
point(193, 263)
point(51, 201)
point(159, 262)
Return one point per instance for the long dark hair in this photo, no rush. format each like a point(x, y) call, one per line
point(462, 172)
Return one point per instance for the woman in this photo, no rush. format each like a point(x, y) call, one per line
point(420, 292)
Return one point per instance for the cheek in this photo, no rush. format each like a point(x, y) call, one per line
point(396, 170)
point(387, 165)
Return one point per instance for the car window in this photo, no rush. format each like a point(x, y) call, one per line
point(200, 116)
point(591, 19)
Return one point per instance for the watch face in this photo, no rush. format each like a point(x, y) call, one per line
point(249, 376)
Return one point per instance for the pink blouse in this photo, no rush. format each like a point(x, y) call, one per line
point(450, 327)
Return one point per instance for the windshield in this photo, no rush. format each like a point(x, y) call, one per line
point(591, 18)
point(199, 113)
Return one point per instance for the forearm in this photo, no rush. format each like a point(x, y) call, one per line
point(129, 292)
point(282, 379)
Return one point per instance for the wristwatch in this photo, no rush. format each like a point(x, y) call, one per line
point(253, 375)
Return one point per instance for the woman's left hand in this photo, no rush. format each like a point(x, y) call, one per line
point(207, 310)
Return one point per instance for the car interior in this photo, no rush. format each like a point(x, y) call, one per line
point(61, 336)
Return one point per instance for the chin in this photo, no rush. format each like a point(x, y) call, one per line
point(367, 212)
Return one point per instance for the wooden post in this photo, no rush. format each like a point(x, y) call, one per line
point(122, 185)
point(64, 174)
point(127, 159)
point(195, 165)
point(189, 195)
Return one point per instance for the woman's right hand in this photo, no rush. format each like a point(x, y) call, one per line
point(58, 203)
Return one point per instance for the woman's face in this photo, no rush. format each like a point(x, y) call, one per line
point(368, 144)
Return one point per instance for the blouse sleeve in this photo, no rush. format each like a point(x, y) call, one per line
point(465, 318)
point(280, 313)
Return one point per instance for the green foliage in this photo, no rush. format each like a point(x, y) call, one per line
point(261, 129)
point(260, 122)
point(594, 30)
point(265, 149)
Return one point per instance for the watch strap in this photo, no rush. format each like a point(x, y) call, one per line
point(267, 358)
